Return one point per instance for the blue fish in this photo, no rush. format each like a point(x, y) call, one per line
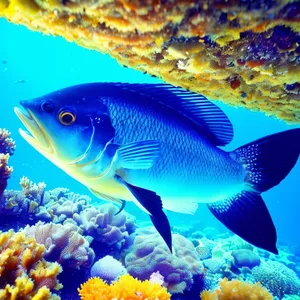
point(159, 146)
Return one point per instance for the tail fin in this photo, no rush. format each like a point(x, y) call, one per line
point(267, 162)
point(270, 159)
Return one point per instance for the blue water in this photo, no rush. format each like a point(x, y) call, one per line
point(32, 65)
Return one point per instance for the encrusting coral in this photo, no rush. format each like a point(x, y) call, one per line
point(149, 254)
point(126, 288)
point(237, 290)
point(24, 274)
point(7, 148)
point(244, 53)
point(63, 243)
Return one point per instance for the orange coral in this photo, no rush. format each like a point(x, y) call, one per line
point(24, 273)
point(126, 288)
point(237, 290)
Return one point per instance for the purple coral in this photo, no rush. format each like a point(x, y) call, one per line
point(107, 268)
point(104, 226)
point(63, 244)
point(149, 254)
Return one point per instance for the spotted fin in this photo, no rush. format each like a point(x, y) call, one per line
point(247, 215)
point(152, 204)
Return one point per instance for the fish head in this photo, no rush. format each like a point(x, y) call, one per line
point(66, 125)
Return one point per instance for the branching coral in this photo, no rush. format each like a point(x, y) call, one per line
point(7, 148)
point(24, 274)
point(237, 290)
point(149, 254)
point(126, 288)
point(32, 190)
point(277, 278)
point(7, 144)
point(5, 172)
point(62, 244)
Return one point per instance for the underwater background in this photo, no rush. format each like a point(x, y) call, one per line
point(32, 65)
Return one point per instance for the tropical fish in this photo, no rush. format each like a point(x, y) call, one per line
point(159, 146)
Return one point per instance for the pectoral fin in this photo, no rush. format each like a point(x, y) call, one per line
point(152, 204)
point(138, 155)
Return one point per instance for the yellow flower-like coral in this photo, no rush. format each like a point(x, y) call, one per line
point(24, 273)
point(126, 288)
point(237, 290)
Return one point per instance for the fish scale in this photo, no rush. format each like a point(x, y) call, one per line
point(187, 159)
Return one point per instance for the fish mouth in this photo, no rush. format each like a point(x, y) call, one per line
point(36, 136)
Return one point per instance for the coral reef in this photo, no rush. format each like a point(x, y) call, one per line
point(277, 278)
point(7, 148)
point(149, 254)
point(244, 53)
point(24, 274)
point(127, 288)
point(63, 243)
point(108, 269)
point(235, 289)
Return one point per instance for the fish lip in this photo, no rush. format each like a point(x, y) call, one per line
point(32, 125)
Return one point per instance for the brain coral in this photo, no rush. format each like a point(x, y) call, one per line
point(277, 278)
point(235, 289)
point(149, 254)
point(62, 244)
point(108, 269)
point(244, 53)
point(127, 288)
point(245, 258)
point(24, 273)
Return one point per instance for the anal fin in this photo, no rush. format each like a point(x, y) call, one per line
point(152, 204)
point(247, 215)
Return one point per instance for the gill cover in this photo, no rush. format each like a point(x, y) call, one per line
point(63, 125)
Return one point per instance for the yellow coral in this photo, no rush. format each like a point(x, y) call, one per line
point(126, 288)
point(237, 290)
point(224, 51)
point(30, 276)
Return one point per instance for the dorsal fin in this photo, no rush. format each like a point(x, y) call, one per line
point(210, 118)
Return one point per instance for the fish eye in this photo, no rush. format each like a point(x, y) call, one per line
point(66, 118)
point(47, 107)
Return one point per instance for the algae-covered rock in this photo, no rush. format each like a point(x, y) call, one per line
point(245, 53)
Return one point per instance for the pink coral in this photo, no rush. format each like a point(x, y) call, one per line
point(150, 254)
point(104, 226)
point(63, 244)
